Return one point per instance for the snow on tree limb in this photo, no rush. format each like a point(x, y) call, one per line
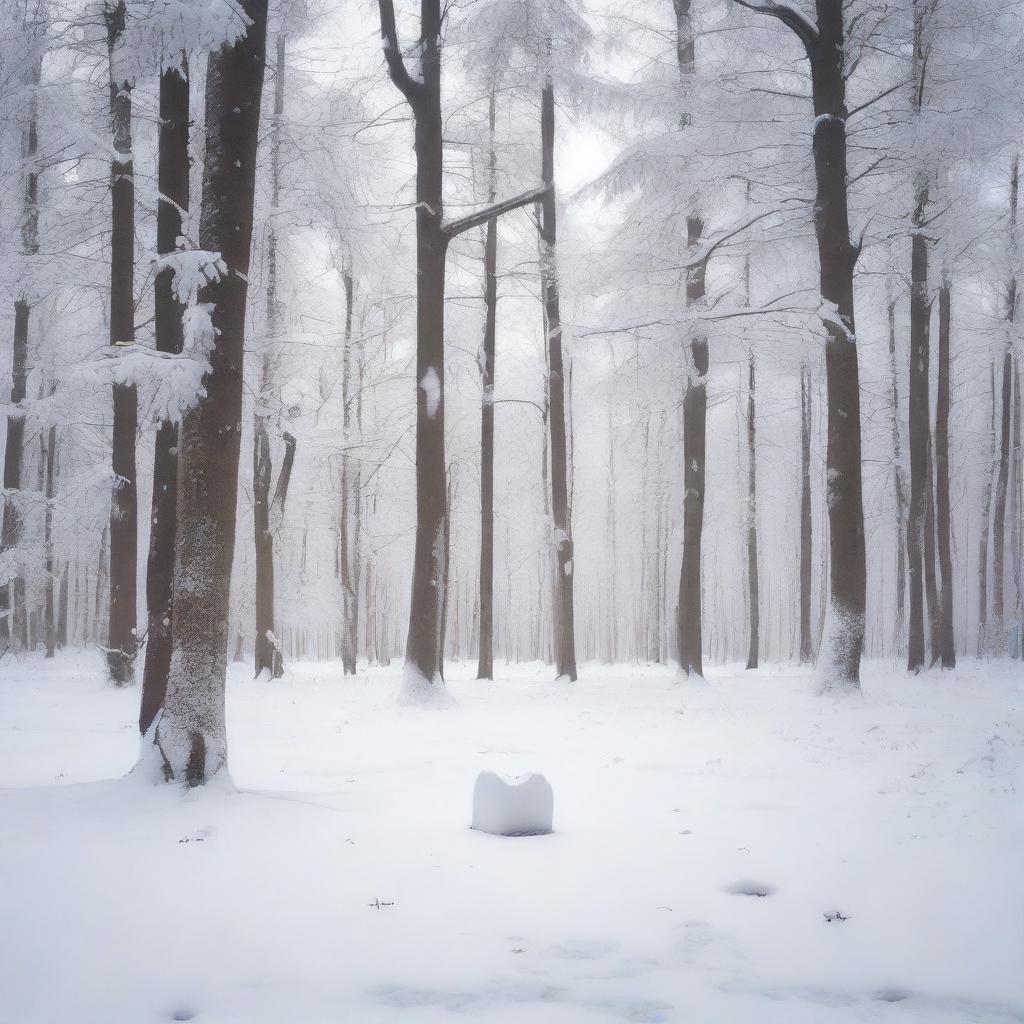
point(792, 19)
point(397, 70)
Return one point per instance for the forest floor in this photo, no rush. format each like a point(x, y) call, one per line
point(339, 883)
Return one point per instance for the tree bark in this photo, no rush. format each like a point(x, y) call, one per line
point(561, 513)
point(753, 588)
point(931, 581)
point(986, 518)
point(49, 610)
point(689, 637)
point(173, 186)
point(268, 654)
point(13, 620)
point(190, 734)
point(899, 484)
point(348, 566)
point(806, 521)
point(485, 666)
point(842, 644)
point(997, 633)
point(942, 512)
point(122, 640)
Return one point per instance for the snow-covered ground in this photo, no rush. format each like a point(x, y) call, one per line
point(341, 884)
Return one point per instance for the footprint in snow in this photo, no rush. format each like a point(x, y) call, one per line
point(748, 887)
point(892, 994)
point(183, 1013)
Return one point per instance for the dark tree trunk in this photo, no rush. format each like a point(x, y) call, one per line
point(931, 581)
point(62, 608)
point(49, 609)
point(267, 647)
point(122, 640)
point(806, 522)
point(997, 636)
point(173, 185)
point(998, 630)
point(12, 596)
point(919, 433)
point(942, 514)
point(754, 590)
point(424, 652)
point(561, 513)
point(13, 620)
point(348, 561)
point(485, 666)
point(899, 484)
point(190, 734)
point(986, 518)
point(689, 637)
point(839, 658)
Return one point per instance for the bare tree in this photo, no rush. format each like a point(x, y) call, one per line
point(122, 640)
point(948, 642)
point(190, 734)
point(825, 45)
point(173, 186)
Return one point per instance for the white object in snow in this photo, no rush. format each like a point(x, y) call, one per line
point(520, 806)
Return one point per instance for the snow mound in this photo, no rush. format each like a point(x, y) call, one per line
point(520, 806)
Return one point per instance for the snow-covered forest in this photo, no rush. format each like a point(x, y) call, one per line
point(628, 394)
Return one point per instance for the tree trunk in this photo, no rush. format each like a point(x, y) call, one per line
point(986, 513)
point(50, 610)
point(13, 620)
point(122, 640)
point(561, 514)
point(931, 582)
point(267, 648)
point(173, 185)
point(899, 484)
point(485, 667)
point(689, 636)
point(348, 567)
point(753, 588)
point(840, 653)
point(190, 734)
point(806, 521)
point(942, 514)
point(62, 607)
point(997, 634)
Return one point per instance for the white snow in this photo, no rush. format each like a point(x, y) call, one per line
point(340, 881)
point(431, 385)
point(521, 806)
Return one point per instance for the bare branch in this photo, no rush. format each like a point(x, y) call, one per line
point(807, 32)
point(404, 82)
point(483, 215)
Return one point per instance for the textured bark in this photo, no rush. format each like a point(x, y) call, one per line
point(806, 521)
point(349, 520)
point(62, 607)
point(997, 629)
point(122, 640)
point(942, 517)
point(689, 615)
point(561, 514)
point(485, 665)
point(268, 654)
point(752, 577)
point(899, 484)
point(49, 453)
point(931, 580)
point(190, 734)
point(839, 658)
point(13, 619)
point(986, 519)
point(173, 185)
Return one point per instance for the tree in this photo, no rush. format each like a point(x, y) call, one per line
point(173, 186)
point(695, 402)
point(752, 575)
point(563, 617)
point(824, 44)
point(942, 517)
point(13, 617)
point(122, 640)
point(267, 511)
point(424, 668)
point(190, 734)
